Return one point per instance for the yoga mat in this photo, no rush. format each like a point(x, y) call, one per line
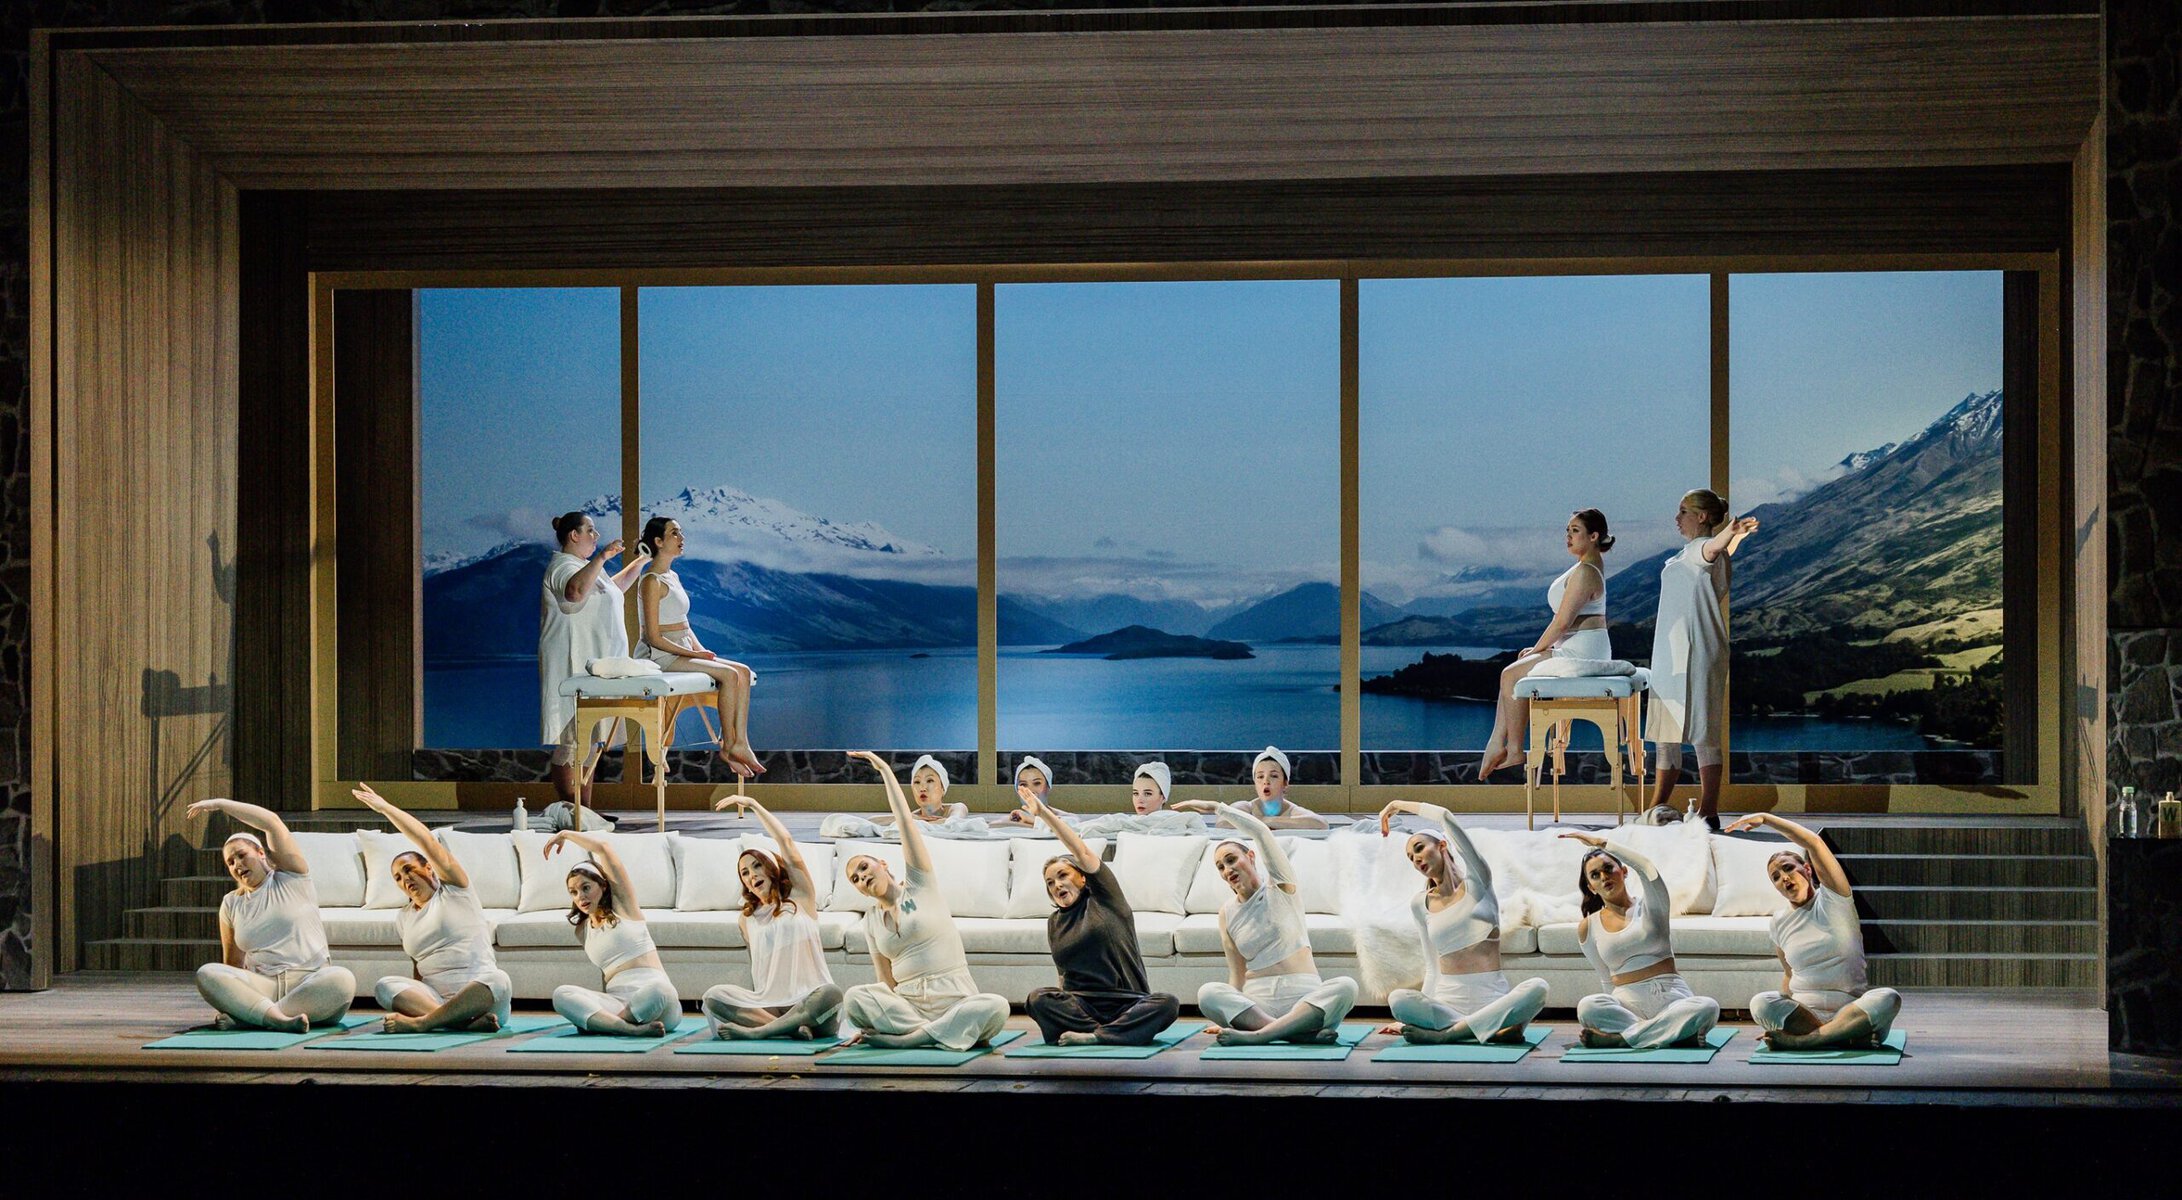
point(1887, 1055)
point(441, 1039)
point(1664, 1054)
point(761, 1046)
point(245, 1038)
point(1166, 1037)
point(1292, 1051)
point(921, 1056)
point(1466, 1052)
point(576, 1041)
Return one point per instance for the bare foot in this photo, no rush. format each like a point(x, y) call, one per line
point(743, 754)
point(397, 1023)
point(489, 1023)
point(297, 1024)
point(803, 1033)
point(1324, 1037)
point(1509, 1036)
point(652, 1029)
point(1078, 1037)
point(1598, 1040)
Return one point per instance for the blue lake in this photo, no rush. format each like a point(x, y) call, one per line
point(894, 700)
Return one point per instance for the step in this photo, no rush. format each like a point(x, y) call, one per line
point(1971, 870)
point(192, 923)
point(194, 891)
point(1985, 970)
point(149, 954)
point(2059, 837)
point(1881, 904)
point(1985, 937)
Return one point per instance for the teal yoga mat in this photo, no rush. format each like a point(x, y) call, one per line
point(1664, 1054)
point(1466, 1052)
point(761, 1047)
point(1167, 1037)
point(1292, 1051)
point(575, 1041)
point(922, 1056)
point(444, 1039)
point(254, 1039)
point(1887, 1055)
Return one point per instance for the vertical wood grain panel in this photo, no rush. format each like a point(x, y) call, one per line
point(44, 819)
point(375, 497)
point(2086, 530)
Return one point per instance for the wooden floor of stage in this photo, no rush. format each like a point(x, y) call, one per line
point(1964, 1047)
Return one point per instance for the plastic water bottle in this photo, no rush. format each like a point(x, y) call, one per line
point(2125, 814)
point(522, 816)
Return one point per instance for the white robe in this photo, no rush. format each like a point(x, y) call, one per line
point(570, 635)
point(1689, 650)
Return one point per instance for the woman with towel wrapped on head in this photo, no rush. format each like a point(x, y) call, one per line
point(1033, 782)
point(579, 619)
point(1466, 996)
point(1104, 995)
point(666, 637)
point(1689, 650)
point(1823, 1000)
point(458, 984)
point(1269, 775)
point(793, 993)
point(928, 785)
point(925, 995)
point(1627, 940)
point(1148, 811)
point(272, 972)
point(1577, 633)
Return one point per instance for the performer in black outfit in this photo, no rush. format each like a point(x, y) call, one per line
point(1103, 996)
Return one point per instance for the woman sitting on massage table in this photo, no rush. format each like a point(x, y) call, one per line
point(666, 637)
point(1577, 632)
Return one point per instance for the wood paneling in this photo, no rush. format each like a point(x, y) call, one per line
point(145, 264)
point(375, 490)
point(1311, 103)
point(2087, 519)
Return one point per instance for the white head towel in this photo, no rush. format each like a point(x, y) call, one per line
point(1034, 763)
point(1161, 777)
point(927, 760)
point(1273, 752)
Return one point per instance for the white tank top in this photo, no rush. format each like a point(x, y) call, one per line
point(448, 935)
point(1823, 943)
point(1473, 917)
point(673, 601)
point(1640, 943)
point(609, 946)
point(921, 939)
point(1559, 588)
point(276, 926)
point(787, 961)
point(1269, 926)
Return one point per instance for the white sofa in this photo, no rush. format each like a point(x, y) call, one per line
point(690, 895)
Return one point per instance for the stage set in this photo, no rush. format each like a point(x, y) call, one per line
point(273, 728)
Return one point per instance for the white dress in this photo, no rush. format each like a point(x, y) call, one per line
point(1689, 650)
point(570, 636)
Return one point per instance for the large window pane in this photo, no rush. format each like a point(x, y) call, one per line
point(819, 447)
point(1489, 410)
point(1168, 458)
point(1866, 439)
point(519, 395)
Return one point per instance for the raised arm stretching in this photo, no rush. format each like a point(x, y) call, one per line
point(1823, 863)
point(1277, 867)
point(1475, 871)
point(915, 855)
point(1086, 860)
point(280, 846)
point(609, 865)
point(1728, 540)
point(444, 863)
point(798, 873)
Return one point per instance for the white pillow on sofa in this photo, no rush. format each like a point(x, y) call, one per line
point(379, 850)
point(545, 883)
point(649, 860)
point(1155, 872)
point(1207, 891)
point(845, 897)
point(705, 873)
point(1311, 857)
point(1744, 889)
point(337, 868)
point(489, 860)
point(1682, 852)
point(1027, 859)
point(973, 875)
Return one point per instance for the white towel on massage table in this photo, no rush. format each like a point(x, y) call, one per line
point(621, 668)
point(1582, 668)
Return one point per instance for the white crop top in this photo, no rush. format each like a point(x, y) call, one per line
point(449, 934)
point(1268, 928)
point(673, 602)
point(609, 946)
point(1823, 943)
point(1642, 942)
point(1559, 588)
point(276, 925)
point(1473, 917)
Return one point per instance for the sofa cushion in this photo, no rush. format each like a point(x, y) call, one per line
point(1027, 858)
point(845, 897)
point(379, 849)
point(1155, 933)
point(1724, 936)
point(1314, 864)
point(1521, 939)
point(649, 860)
point(709, 930)
point(1682, 852)
point(545, 884)
point(833, 928)
point(705, 872)
point(1197, 933)
point(1330, 933)
point(489, 860)
point(1744, 888)
point(337, 867)
point(548, 927)
point(1155, 872)
point(973, 875)
point(1558, 938)
point(1207, 891)
point(357, 926)
point(1001, 935)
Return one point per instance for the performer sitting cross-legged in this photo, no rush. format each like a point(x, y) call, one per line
point(1823, 1000)
point(1466, 996)
point(1104, 995)
point(792, 992)
point(458, 985)
point(272, 972)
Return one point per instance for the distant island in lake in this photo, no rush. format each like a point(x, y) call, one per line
point(1142, 641)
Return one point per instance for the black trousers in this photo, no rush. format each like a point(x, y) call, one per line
point(1117, 1018)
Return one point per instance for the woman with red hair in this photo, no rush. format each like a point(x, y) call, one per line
point(792, 993)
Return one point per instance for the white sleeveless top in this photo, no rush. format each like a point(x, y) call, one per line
point(1475, 915)
point(610, 946)
point(1640, 943)
point(1559, 588)
point(1823, 943)
point(921, 939)
point(448, 936)
point(673, 602)
point(787, 961)
point(276, 926)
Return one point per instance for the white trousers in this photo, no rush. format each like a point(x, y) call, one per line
point(1659, 1011)
point(1275, 996)
point(638, 995)
point(323, 995)
point(1485, 1002)
point(435, 990)
point(1772, 1009)
point(946, 1005)
point(724, 1002)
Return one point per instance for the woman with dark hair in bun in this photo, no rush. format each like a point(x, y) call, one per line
point(667, 638)
point(1576, 632)
point(579, 619)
